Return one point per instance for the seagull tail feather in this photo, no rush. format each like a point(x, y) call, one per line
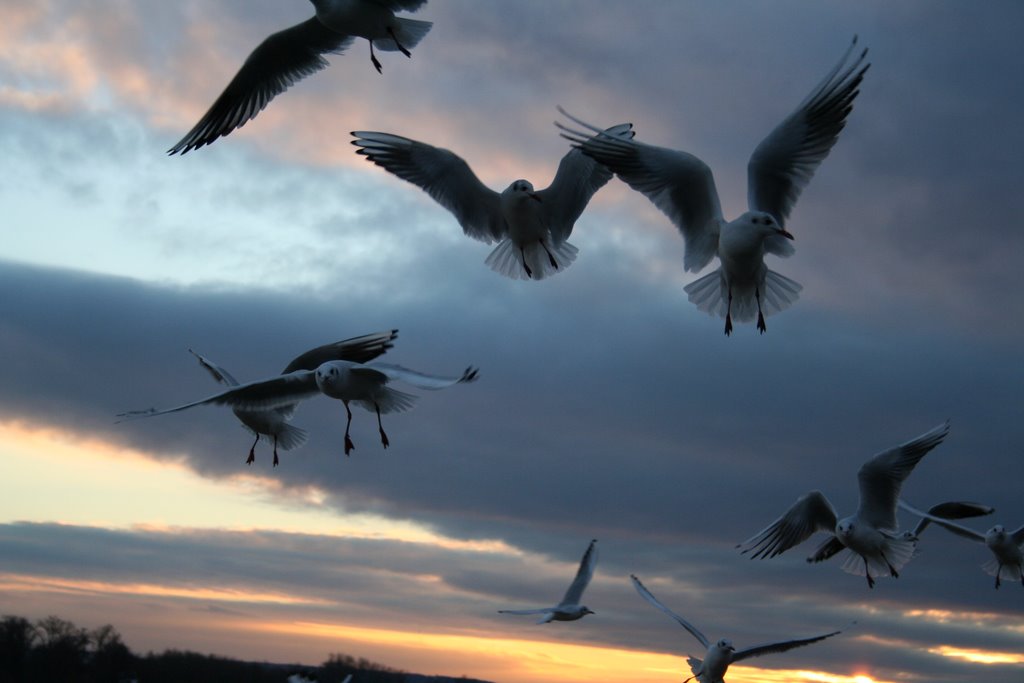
point(508, 260)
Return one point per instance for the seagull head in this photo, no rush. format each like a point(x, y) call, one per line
point(765, 224)
point(995, 535)
point(844, 529)
point(725, 644)
point(523, 188)
point(586, 610)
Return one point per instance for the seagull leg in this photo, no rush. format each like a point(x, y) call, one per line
point(728, 315)
point(380, 427)
point(999, 570)
point(374, 60)
point(275, 450)
point(554, 263)
point(349, 446)
point(867, 573)
point(892, 569)
point(760, 315)
point(391, 32)
point(252, 451)
point(529, 273)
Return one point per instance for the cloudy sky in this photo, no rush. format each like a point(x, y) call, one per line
point(608, 406)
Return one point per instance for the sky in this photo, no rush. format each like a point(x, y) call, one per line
point(607, 407)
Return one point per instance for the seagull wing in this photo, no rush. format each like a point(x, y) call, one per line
point(578, 178)
point(678, 183)
point(219, 374)
point(646, 595)
point(281, 60)
point(810, 513)
point(544, 610)
point(1018, 536)
point(276, 392)
point(785, 161)
point(953, 527)
point(771, 648)
point(882, 477)
point(357, 350)
point(419, 379)
point(953, 509)
point(583, 576)
point(441, 174)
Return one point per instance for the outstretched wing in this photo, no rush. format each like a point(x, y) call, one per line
point(441, 174)
point(544, 610)
point(262, 395)
point(422, 380)
point(770, 648)
point(577, 179)
point(678, 183)
point(785, 161)
point(357, 350)
point(646, 595)
point(953, 509)
point(882, 477)
point(583, 576)
point(953, 527)
point(810, 513)
point(281, 60)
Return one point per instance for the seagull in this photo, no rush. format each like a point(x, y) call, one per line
point(530, 226)
point(362, 383)
point(288, 56)
point(721, 654)
point(870, 534)
point(682, 186)
point(275, 422)
point(569, 609)
point(1006, 546)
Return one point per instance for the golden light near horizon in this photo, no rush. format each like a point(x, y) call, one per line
point(978, 656)
point(104, 484)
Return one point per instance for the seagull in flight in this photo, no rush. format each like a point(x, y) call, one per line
point(722, 653)
point(288, 56)
point(682, 186)
point(275, 421)
point(1007, 546)
point(870, 535)
point(569, 609)
point(530, 226)
point(365, 384)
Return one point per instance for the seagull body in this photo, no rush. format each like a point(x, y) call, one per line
point(288, 56)
point(569, 609)
point(275, 422)
point(1007, 546)
point(531, 227)
point(365, 384)
point(720, 654)
point(876, 548)
point(683, 187)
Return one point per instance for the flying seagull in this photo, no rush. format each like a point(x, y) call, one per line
point(682, 186)
point(1006, 546)
point(870, 534)
point(365, 384)
point(569, 609)
point(275, 422)
point(721, 654)
point(531, 227)
point(288, 56)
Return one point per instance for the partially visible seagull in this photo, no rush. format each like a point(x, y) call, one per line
point(531, 227)
point(275, 422)
point(1006, 546)
point(290, 55)
point(363, 384)
point(721, 654)
point(682, 186)
point(871, 534)
point(569, 609)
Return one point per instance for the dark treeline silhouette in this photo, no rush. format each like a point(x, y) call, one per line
point(52, 649)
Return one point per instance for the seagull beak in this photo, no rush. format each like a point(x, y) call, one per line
point(534, 195)
point(785, 233)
